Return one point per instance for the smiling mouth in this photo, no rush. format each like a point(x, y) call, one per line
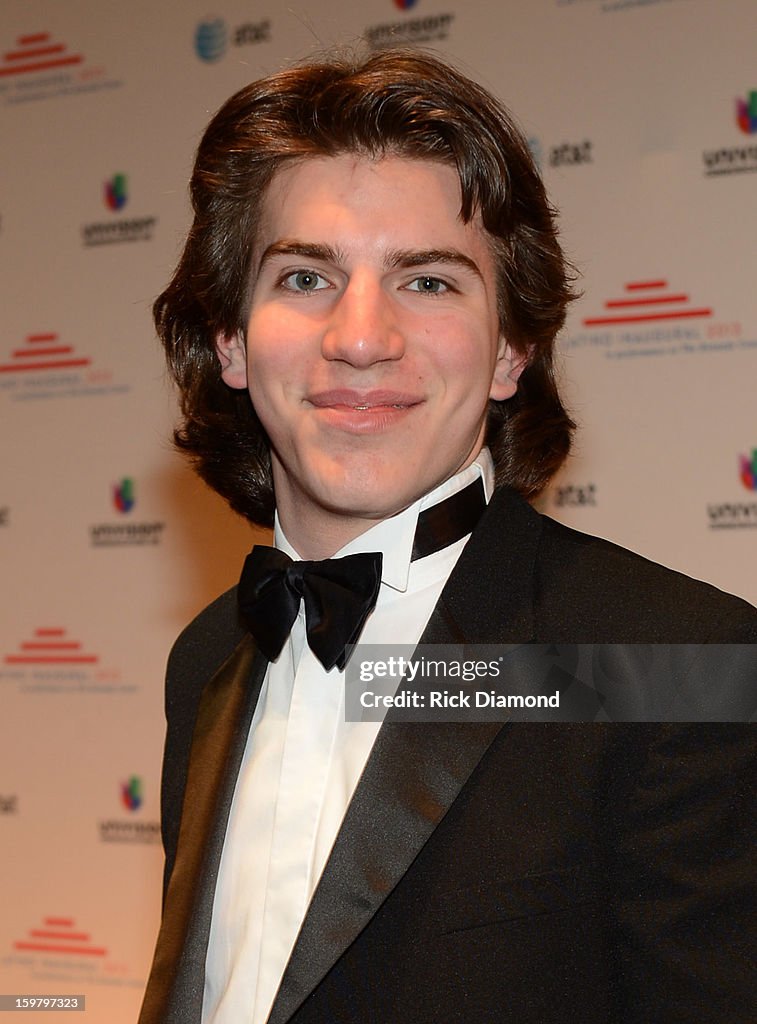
point(366, 413)
point(367, 401)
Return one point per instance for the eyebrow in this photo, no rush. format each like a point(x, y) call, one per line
point(292, 247)
point(396, 258)
point(407, 258)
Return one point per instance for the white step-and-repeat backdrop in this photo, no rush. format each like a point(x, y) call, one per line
point(643, 117)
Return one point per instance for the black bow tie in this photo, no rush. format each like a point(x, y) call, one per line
point(339, 593)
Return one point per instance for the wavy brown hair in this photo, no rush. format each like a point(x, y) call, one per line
point(398, 102)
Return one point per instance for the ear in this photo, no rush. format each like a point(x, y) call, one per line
point(508, 368)
point(233, 359)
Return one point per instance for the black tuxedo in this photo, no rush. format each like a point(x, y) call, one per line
point(529, 873)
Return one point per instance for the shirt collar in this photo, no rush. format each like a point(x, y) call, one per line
point(394, 537)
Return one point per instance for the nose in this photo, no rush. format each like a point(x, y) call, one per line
point(363, 328)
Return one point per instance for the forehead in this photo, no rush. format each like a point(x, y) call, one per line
point(358, 202)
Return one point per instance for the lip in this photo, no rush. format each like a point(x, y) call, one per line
point(363, 412)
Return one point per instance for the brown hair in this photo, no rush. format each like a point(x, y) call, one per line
point(401, 102)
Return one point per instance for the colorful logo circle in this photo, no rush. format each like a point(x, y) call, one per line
point(405, 5)
point(211, 38)
point(748, 470)
point(746, 113)
point(131, 793)
point(123, 495)
point(115, 192)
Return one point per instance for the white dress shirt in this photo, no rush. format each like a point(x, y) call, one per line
point(300, 769)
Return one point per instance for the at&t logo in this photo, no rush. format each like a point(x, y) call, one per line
point(211, 39)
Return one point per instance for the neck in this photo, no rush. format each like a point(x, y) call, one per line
point(317, 537)
point(317, 531)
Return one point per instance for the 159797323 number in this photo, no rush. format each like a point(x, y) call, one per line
point(26, 1002)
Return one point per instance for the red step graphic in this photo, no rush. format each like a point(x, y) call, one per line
point(58, 935)
point(42, 352)
point(37, 52)
point(646, 301)
point(50, 646)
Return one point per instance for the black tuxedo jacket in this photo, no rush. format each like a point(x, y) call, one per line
point(515, 872)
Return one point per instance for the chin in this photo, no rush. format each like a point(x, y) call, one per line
point(370, 494)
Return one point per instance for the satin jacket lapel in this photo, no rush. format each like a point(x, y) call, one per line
point(175, 989)
point(415, 772)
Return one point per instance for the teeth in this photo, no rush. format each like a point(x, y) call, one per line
point(363, 408)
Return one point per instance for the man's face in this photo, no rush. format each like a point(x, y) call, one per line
point(373, 343)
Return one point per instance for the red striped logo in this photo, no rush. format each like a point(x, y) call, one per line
point(43, 352)
point(647, 302)
point(37, 52)
point(51, 645)
point(59, 935)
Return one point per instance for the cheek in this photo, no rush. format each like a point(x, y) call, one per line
point(466, 361)
point(271, 359)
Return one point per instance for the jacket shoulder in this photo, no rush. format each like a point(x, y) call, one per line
point(203, 646)
point(625, 595)
point(200, 650)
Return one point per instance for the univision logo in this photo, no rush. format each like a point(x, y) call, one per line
point(130, 830)
point(128, 533)
point(115, 195)
point(115, 192)
point(429, 28)
point(736, 159)
point(211, 39)
point(123, 495)
point(131, 793)
point(732, 515)
point(748, 470)
point(746, 113)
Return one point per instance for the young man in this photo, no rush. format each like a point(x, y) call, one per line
point(362, 329)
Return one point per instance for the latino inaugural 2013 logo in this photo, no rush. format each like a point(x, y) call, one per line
point(44, 365)
point(40, 66)
point(648, 318)
point(52, 661)
point(59, 947)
